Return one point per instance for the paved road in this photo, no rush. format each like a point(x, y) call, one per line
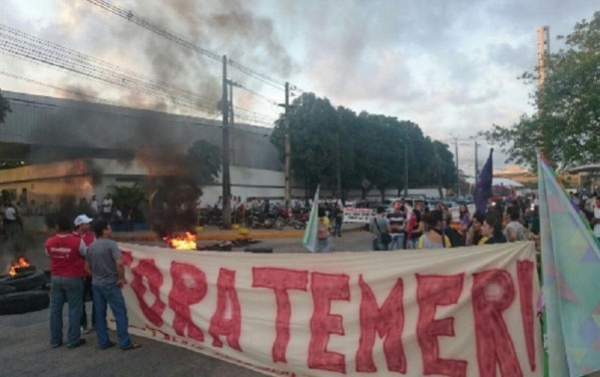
point(24, 348)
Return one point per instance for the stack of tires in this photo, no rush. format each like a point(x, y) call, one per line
point(24, 293)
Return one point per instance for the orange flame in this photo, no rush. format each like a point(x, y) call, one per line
point(21, 262)
point(185, 242)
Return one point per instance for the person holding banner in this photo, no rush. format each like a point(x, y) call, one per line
point(434, 238)
point(380, 227)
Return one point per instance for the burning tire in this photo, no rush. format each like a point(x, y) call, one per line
point(4, 289)
point(24, 302)
point(25, 282)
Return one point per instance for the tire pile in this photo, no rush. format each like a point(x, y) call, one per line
point(26, 292)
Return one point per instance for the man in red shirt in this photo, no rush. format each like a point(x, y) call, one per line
point(67, 263)
point(82, 230)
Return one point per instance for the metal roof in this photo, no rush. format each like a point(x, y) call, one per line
point(590, 168)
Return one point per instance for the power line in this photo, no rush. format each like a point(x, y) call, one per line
point(267, 99)
point(22, 39)
point(24, 46)
point(128, 15)
point(36, 50)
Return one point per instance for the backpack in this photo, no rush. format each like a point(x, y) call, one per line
point(322, 231)
point(384, 237)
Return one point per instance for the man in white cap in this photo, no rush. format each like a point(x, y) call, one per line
point(82, 230)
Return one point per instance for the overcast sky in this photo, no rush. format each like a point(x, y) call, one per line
point(449, 66)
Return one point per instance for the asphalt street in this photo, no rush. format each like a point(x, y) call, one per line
point(24, 338)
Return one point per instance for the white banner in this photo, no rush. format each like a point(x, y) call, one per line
point(448, 312)
point(358, 215)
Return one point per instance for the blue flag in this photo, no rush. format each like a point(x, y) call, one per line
point(309, 240)
point(571, 281)
point(483, 186)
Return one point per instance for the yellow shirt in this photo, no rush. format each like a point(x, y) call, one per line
point(327, 223)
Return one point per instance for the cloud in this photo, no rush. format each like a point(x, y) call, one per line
point(449, 66)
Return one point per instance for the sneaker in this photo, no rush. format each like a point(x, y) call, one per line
point(108, 345)
point(80, 343)
point(87, 330)
point(83, 329)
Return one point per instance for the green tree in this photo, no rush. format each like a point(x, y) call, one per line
point(313, 127)
point(204, 161)
point(128, 198)
point(566, 125)
point(4, 108)
point(373, 149)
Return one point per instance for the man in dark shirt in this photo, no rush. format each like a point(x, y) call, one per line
point(397, 225)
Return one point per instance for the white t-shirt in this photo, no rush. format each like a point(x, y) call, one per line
point(94, 206)
point(10, 214)
point(597, 226)
point(107, 206)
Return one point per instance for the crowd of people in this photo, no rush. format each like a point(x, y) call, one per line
point(83, 264)
point(434, 229)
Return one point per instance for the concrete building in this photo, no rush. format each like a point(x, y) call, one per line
point(65, 143)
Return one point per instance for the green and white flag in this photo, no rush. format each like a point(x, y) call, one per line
point(571, 284)
point(309, 240)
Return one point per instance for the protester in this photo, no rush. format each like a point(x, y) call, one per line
point(82, 230)
point(397, 225)
point(474, 236)
point(339, 219)
point(415, 226)
point(380, 227)
point(104, 262)
point(434, 238)
point(67, 262)
point(10, 220)
point(456, 239)
point(596, 218)
point(492, 228)
point(94, 206)
point(514, 230)
point(323, 227)
point(107, 207)
point(465, 218)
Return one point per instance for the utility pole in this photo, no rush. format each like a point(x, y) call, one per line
point(457, 171)
point(288, 147)
point(406, 169)
point(231, 124)
point(225, 151)
point(231, 120)
point(543, 49)
point(339, 164)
